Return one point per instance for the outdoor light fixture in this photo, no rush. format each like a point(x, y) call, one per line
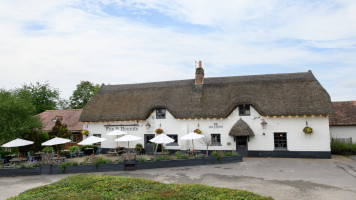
point(148, 125)
point(263, 124)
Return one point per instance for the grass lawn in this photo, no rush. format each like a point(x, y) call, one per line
point(113, 187)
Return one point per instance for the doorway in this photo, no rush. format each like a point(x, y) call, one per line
point(241, 145)
point(149, 147)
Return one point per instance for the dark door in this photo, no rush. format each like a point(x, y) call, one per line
point(148, 145)
point(241, 145)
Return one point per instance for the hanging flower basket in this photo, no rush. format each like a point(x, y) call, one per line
point(159, 131)
point(308, 130)
point(197, 131)
point(85, 132)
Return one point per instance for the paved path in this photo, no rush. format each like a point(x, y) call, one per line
point(279, 178)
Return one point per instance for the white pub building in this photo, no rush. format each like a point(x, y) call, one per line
point(259, 115)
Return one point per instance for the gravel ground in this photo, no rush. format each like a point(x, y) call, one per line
point(280, 178)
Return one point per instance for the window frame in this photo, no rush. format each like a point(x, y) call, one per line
point(175, 143)
point(161, 113)
point(217, 143)
point(74, 135)
point(280, 141)
point(243, 109)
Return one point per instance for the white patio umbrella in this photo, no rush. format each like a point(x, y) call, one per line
point(55, 141)
point(17, 143)
point(91, 140)
point(161, 139)
point(117, 132)
point(127, 138)
point(192, 136)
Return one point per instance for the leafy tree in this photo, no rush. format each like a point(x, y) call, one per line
point(17, 119)
point(42, 96)
point(80, 97)
point(60, 130)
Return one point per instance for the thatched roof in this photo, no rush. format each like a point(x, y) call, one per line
point(274, 94)
point(241, 128)
point(345, 114)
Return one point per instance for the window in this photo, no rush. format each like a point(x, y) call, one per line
point(160, 113)
point(244, 110)
point(175, 138)
point(215, 140)
point(280, 141)
point(73, 137)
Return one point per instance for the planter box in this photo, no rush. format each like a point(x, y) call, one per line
point(230, 159)
point(20, 171)
point(110, 167)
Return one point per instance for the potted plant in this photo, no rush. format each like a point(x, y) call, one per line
point(85, 132)
point(308, 130)
point(139, 148)
point(198, 131)
point(159, 131)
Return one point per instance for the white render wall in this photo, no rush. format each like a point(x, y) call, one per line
point(297, 140)
point(343, 132)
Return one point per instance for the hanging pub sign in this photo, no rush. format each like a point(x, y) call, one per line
point(216, 125)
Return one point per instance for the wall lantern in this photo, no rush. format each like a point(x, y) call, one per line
point(264, 124)
point(148, 125)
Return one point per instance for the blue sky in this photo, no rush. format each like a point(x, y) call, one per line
point(118, 41)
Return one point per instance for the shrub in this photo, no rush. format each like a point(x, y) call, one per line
point(199, 156)
point(142, 159)
point(159, 158)
point(47, 150)
point(138, 147)
point(73, 148)
point(119, 161)
point(178, 154)
point(234, 153)
point(184, 156)
point(342, 148)
point(228, 153)
point(216, 155)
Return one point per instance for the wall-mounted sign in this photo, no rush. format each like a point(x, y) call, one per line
point(128, 128)
point(216, 125)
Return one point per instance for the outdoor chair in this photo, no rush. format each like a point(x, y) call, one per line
point(80, 153)
point(29, 157)
point(99, 151)
point(54, 153)
point(73, 154)
point(2, 161)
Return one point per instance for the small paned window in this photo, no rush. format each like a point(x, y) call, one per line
point(215, 140)
point(244, 110)
point(73, 137)
point(280, 141)
point(161, 113)
point(175, 138)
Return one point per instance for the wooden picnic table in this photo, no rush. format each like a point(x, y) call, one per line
point(60, 159)
point(16, 161)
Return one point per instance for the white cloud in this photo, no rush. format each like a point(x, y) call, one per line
point(77, 40)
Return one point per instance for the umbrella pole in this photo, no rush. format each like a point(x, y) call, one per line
point(156, 149)
point(18, 152)
point(193, 144)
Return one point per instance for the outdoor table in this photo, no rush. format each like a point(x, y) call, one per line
point(16, 161)
point(60, 159)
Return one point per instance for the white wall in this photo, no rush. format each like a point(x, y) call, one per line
point(343, 132)
point(297, 140)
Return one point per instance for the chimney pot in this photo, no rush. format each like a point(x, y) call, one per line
point(199, 74)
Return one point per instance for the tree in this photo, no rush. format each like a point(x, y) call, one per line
point(60, 130)
point(17, 119)
point(206, 141)
point(80, 97)
point(42, 96)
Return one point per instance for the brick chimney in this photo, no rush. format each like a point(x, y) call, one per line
point(199, 75)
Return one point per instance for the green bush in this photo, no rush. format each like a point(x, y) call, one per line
point(342, 148)
point(184, 156)
point(228, 153)
point(115, 187)
point(73, 148)
point(48, 150)
point(178, 154)
point(216, 155)
point(4, 153)
point(138, 147)
point(234, 153)
point(142, 159)
point(199, 156)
